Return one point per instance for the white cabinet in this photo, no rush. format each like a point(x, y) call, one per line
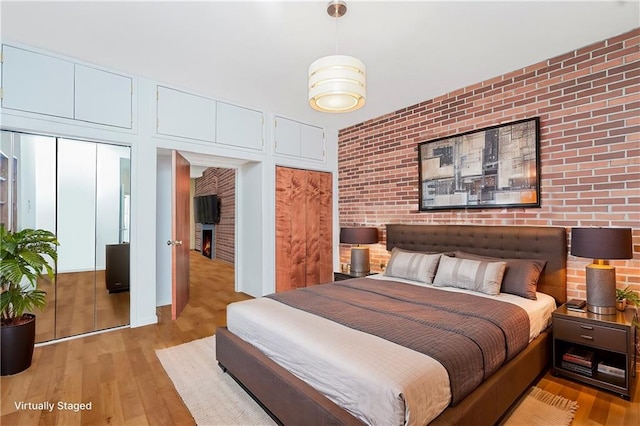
point(42, 84)
point(297, 139)
point(238, 126)
point(287, 137)
point(185, 115)
point(103, 97)
point(311, 142)
point(37, 83)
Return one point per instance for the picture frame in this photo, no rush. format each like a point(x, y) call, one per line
point(493, 167)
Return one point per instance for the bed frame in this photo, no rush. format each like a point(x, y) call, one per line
point(290, 401)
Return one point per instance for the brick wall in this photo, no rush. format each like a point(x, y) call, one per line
point(589, 107)
point(205, 185)
point(225, 231)
point(223, 183)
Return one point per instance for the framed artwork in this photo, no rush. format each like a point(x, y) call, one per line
point(494, 167)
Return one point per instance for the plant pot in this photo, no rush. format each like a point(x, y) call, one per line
point(621, 305)
point(16, 346)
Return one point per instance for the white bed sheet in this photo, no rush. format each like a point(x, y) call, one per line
point(377, 381)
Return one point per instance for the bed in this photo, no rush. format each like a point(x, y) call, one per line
point(293, 401)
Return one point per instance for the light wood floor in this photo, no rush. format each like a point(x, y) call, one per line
point(119, 373)
point(79, 302)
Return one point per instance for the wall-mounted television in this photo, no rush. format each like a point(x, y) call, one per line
point(206, 209)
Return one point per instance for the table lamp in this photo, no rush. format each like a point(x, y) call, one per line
point(600, 244)
point(360, 265)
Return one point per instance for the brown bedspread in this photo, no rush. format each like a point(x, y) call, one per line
point(470, 336)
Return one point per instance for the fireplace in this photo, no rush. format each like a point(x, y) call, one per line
point(207, 243)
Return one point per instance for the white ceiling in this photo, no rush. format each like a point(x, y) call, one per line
point(257, 53)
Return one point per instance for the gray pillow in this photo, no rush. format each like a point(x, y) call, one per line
point(521, 276)
point(474, 275)
point(412, 265)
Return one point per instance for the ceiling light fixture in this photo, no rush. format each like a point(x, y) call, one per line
point(337, 83)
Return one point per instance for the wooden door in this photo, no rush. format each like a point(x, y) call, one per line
point(304, 243)
point(325, 228)
point(180, 211)
point(319, 228)
point(291, 248)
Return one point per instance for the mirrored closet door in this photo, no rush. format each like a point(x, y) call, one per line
point(79, 190)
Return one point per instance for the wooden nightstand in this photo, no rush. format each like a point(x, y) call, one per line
point(610, 338)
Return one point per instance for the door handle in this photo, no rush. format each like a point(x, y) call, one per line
point(175, 243)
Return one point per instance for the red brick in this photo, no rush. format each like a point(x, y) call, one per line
point(610, 167)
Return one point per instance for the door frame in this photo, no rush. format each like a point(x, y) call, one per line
point(249, 223)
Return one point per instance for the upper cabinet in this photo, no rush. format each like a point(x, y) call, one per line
point(103, 97)
point(296, 139)
point(239, 126)
point(43, 84)
point(190, 116)
point(36, 83)
point(287, 137)
point(185, 115)
point(311, 142)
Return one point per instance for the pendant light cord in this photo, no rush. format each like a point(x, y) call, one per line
point(335, 19)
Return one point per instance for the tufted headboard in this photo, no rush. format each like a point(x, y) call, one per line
point(516, 242)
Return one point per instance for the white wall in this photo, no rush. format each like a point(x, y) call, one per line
point(108, 198)
point(37, 182)
point(76, 206)
point(88, 200)
point(27, 177)
point(45, 200)
point(250, 278)
point(163, 231)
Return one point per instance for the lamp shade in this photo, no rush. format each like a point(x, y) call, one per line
point(363, 235)
point(337, 83)
point(602, 243)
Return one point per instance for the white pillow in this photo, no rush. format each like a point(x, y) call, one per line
point(475, 275)
point(412, 265)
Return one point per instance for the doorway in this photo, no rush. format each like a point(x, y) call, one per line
point(247, 178)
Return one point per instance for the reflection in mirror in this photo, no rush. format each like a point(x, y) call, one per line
point(93, 268)
point(75, 281)
point(80, 191)
point(34, 196)
point(112, 236)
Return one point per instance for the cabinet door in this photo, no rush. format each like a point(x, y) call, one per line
point(291, 225)
point(238, 126)
point(185, 115)
point(287, 137)
point(304, 229)
point(325, 227)
point(319, 229)
point(36, 83)
point(103, 97)
point(312, 142)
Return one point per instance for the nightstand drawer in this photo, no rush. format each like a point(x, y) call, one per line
point(612, 339)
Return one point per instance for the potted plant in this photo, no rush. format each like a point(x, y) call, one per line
point(624, 296)
point(24, 255)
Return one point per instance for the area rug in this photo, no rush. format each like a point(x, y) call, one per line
point(212, 397)
point(541, 408)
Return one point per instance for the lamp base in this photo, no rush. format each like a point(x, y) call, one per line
point(360, 265)
point(601, 289)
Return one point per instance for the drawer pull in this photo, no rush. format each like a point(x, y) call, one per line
point(586, 337)
point(586, 327)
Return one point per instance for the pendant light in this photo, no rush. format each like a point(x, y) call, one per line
point(337, 83)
